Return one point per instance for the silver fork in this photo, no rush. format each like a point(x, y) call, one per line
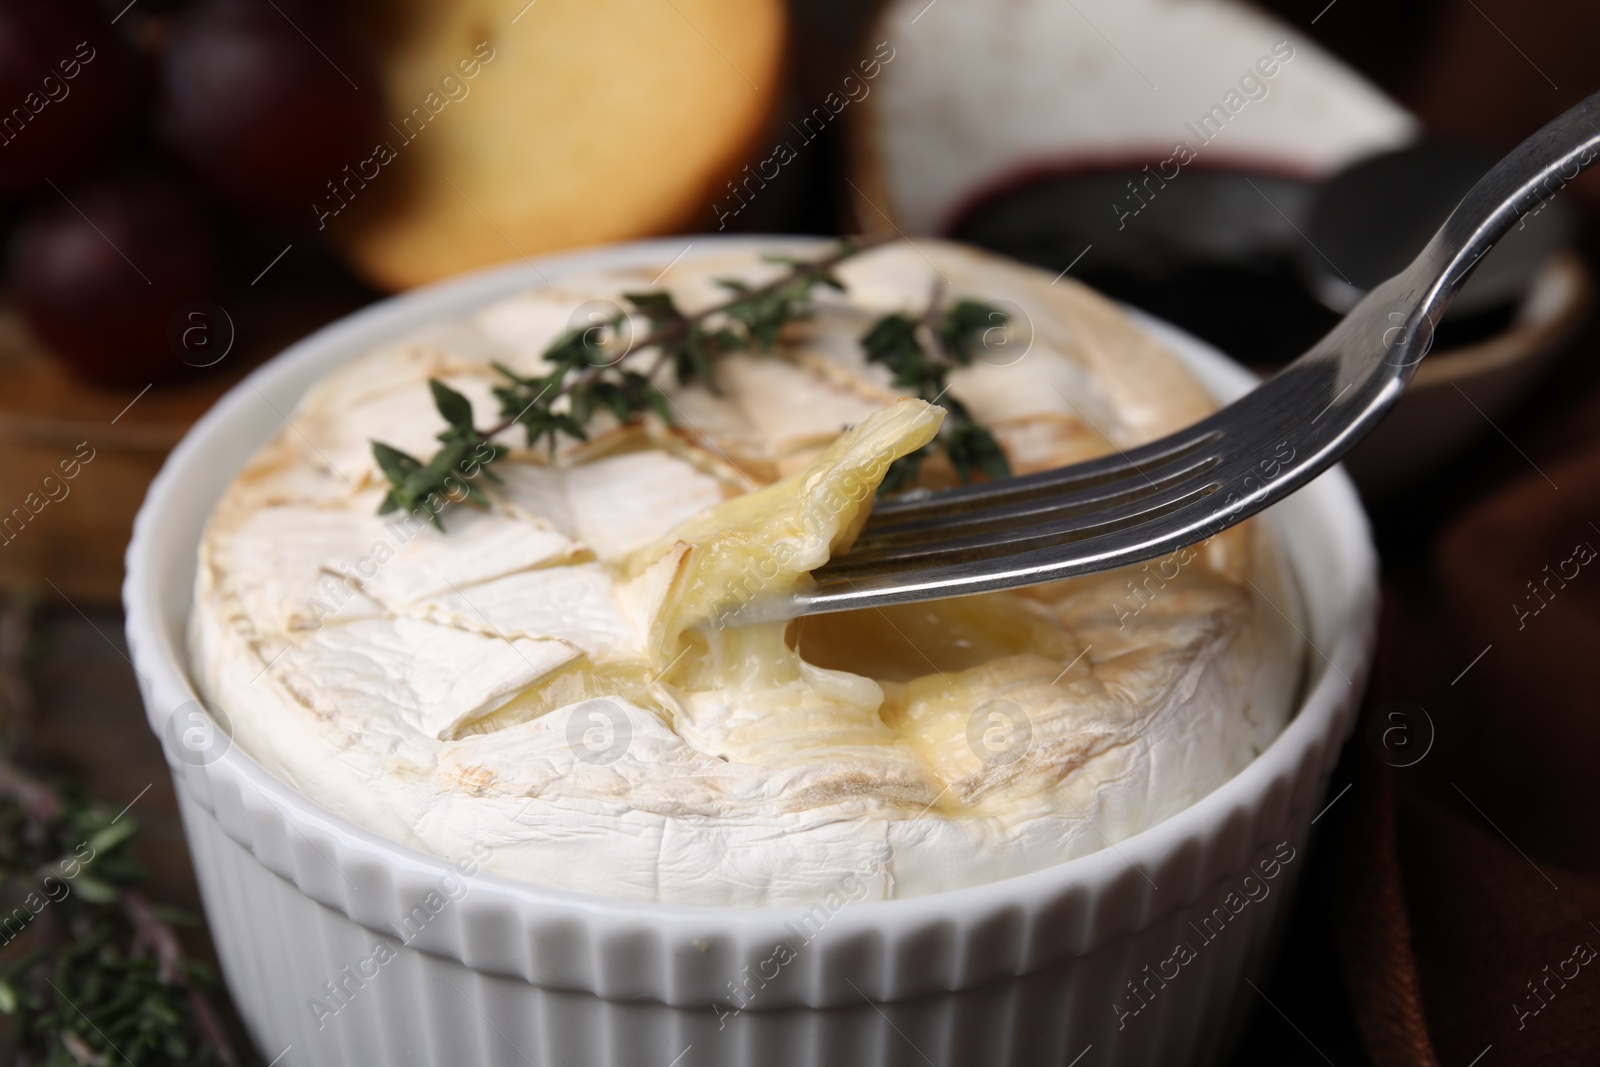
point(1158, 498)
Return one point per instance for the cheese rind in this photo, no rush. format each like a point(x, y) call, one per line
point(557, 679)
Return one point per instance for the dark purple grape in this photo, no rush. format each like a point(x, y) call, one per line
point(100, 277)
point(268, 102)
point(63, 85)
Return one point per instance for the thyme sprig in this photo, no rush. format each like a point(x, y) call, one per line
point(586, 370)
point(598, 367)
point(920, 353)
point(90, 971)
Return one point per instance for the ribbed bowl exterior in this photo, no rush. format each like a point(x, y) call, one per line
point(342, 948)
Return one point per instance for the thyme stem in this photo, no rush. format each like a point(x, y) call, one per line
point(663, 337)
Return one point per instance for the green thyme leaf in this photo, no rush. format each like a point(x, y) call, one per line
point(455, 408)
point(972, 448)
point(965, 325)
point(656, 305)
point(892, 341)
point(898, 342)
point(108, 838)
point(394, 463)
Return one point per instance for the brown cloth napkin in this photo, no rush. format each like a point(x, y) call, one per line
point(1467, 903)
point(1466, 881)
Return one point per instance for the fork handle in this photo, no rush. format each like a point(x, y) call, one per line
point(1536, 170)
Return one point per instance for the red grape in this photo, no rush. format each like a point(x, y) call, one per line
point(268, 101)
point(62, 86)
point(100, 271)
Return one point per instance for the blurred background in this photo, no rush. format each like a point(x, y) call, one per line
point(187, 186)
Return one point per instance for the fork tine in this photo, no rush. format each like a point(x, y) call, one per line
point(1030, 510)
point(1143, 462)
point(1010, 538)
point(1187, 520)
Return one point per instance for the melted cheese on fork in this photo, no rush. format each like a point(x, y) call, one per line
point(572, 677)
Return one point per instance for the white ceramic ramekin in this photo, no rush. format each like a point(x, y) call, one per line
point(343, 948)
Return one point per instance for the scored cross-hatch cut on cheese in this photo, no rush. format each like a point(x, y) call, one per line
point(558, 678)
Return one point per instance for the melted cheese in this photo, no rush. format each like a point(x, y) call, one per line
point(564, 677)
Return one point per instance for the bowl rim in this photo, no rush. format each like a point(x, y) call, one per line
point(161, 666)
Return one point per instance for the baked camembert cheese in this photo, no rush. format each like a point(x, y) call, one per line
point(553, 682)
